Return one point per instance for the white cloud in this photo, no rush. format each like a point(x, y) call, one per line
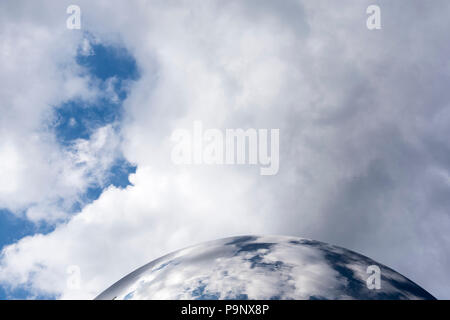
point(39, 72)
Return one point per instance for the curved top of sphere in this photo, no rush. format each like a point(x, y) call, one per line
point(263, 267)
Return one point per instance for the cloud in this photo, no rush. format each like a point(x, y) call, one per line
point(362, 117)
point(43, 178)
point(33, 83)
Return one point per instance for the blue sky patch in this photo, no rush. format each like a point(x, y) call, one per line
point(21, 293)
point(109, 61)
point(117, 176)
point(107, 65)
point(76, 119)
point(12, 229)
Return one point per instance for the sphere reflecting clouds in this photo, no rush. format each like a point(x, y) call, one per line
point(264, 267)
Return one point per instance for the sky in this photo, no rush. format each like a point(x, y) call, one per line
point(86, 117)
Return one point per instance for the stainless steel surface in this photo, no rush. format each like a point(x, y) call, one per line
point(262, 267)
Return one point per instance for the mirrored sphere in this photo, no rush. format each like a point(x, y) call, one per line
point(264, 267)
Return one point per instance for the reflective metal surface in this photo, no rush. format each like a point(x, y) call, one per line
point(262, 267)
